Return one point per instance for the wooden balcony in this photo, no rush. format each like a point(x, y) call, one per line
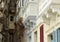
point(12, 7)
point(12, 10)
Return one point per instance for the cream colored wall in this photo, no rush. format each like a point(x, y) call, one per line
point(54, 24)
point(43, 5)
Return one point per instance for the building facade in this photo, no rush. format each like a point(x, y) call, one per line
point(29, 20)
point(51, 30)
point(41, 19)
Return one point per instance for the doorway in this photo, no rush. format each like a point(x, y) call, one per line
point(41, 33)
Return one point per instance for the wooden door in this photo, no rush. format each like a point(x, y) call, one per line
point(41, 34)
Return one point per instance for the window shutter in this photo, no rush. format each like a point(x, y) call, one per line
point(55, 36)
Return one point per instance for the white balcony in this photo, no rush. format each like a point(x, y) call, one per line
point(30, 22)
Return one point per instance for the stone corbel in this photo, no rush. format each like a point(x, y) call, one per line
point(45, 19)
point(52, 14)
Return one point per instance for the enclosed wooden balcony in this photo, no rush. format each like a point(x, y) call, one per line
point(12, 6)
point(12, 10)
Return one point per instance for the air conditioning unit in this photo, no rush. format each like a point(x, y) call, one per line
point(11, 25)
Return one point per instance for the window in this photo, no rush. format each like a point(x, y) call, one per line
point(11, 18)
point(35, 36)
point(50, 37)
point(29, 38)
